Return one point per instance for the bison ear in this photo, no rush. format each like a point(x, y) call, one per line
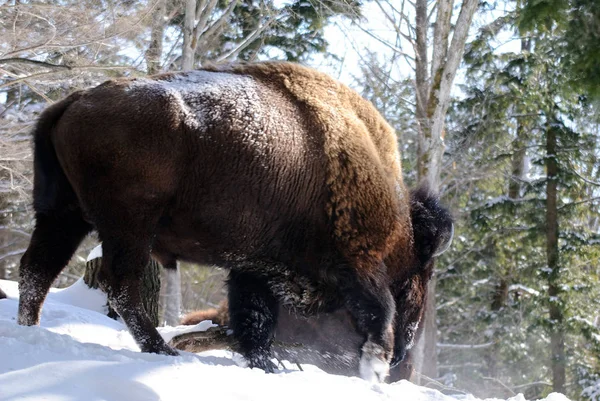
point(432, 224)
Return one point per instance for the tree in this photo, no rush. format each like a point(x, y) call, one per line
point(157, 31)
point(194, 33)
point(172, 301)
point(220, 31)
point(433, 82)
point(527, 243)
point(574, 23)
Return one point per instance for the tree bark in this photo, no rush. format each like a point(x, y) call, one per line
point(432, 99)
point(421, 84)
point(154, 52)
point(557, 338)
point(430, 162)
point(189, 50)
point(173, 297)
point(518, 171)
point(150, 288)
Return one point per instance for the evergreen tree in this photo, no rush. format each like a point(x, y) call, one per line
point(525, 254)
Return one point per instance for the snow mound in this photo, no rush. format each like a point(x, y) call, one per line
point(80, 354)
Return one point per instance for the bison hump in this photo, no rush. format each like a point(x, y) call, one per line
point(367, 199)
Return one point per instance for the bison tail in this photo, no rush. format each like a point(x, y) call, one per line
point(51, 189)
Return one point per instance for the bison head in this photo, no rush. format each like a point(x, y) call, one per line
point(432, 233)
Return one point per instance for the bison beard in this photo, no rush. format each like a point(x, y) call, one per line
point(279, 173)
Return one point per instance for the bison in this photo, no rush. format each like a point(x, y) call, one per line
point(274, 171)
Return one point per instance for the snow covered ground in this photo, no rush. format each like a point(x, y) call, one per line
point(80, 354)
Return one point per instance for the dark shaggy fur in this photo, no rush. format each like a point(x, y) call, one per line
point(431, 226)
point(274, 171)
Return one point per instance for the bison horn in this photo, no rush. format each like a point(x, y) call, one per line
point(445, 242)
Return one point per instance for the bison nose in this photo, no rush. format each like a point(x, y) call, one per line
point(399, 354)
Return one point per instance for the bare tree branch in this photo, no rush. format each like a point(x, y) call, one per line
point(47, 45)
point(34, 62)
point(13, 253)
point(76, 67)
point(441, 32)
point(246, 42)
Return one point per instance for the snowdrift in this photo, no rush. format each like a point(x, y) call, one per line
point(80, 354)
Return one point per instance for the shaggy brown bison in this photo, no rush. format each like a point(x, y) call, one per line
point(277, 172)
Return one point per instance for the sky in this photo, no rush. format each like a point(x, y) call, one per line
point(349, 42)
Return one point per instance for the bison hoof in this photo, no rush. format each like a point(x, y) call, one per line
point(169, 351)
point(374, 366)
point(399, 355)
point(162, 349)
point(261, 362)
point(27, 319)
point(23, 321)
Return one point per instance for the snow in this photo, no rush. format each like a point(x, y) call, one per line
point(592, 392)
point(204, 97)
point(79, 354)
point(523, 288)
point(95, 253)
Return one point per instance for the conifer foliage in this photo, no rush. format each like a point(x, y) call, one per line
point(524, 274)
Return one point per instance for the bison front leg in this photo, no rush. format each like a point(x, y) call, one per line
point(252, 316)
point(371, 303)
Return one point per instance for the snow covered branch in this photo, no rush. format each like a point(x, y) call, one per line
point(465, 346)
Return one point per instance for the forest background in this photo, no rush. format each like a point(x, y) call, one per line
point(495, 104)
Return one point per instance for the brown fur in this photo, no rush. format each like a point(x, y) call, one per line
point(219, 315)
point(367, 196)
point(277, 172)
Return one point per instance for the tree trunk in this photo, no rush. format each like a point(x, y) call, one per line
point(432, 99)
point(519, 156)
point(518, 172)
point(150, 288)
point(154, 52)
point(189, 48)
point(557, 338)
point(430, 368)
point(173, 297)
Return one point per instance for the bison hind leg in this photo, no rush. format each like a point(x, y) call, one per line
point(253, 312)
point(56, 236)
point(127, 240)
